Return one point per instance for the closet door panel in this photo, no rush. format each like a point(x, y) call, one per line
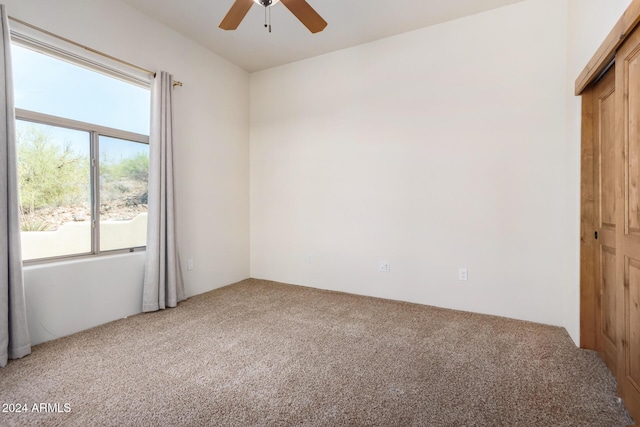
point(632, 89)
point(606, 220)
point(632, 301)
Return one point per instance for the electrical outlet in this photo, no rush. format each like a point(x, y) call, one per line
point(190, 264)
point(385, 266)
point(310, 259)
point(463, 274)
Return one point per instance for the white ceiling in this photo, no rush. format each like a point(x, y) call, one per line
point(351, 22)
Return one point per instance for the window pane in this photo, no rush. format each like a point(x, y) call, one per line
point(58, 88)
point(54, 179)
point(124, 169)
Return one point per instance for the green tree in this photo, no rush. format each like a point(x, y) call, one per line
point(49, 173)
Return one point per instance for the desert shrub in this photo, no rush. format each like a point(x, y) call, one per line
point(33, 223)
point(135, 168)
point(123, 181)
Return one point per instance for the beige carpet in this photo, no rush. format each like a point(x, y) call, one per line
point(259, 353)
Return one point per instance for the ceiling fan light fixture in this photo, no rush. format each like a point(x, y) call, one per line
point(300, 8)
point(266, 3)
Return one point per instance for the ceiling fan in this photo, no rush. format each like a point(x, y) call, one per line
point(300, 8)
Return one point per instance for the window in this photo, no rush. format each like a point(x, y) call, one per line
point(83, 157)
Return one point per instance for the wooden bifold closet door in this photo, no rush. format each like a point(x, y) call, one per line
point(610, 220)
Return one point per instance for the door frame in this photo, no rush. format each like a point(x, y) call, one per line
point(607, 50)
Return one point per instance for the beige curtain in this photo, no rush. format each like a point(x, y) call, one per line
point(14, 334)
point(163, 285)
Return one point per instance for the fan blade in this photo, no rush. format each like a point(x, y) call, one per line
point(306, 14)
point(236, 14)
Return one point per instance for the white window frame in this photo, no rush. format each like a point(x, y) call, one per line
point(95, 132)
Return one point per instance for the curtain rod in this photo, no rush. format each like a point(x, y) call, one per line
point(144, 70)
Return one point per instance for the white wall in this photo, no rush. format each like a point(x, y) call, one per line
point(212, 152)
point(68, 297)
point(590, 21)
point(436, 149)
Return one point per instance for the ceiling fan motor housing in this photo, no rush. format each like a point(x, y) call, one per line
point(300, 8)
